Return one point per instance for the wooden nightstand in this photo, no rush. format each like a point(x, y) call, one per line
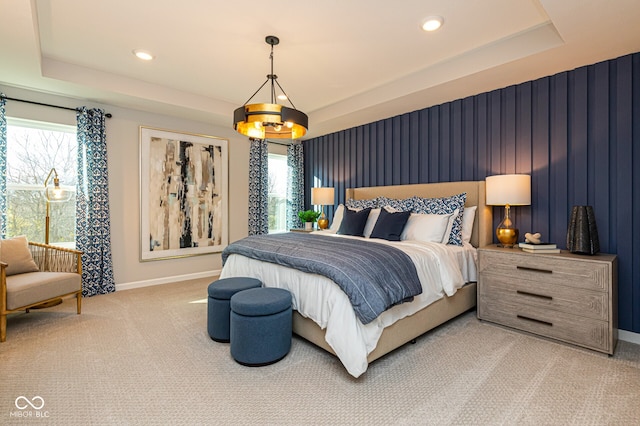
point(568, 297)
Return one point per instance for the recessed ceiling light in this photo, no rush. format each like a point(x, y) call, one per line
point(143, 54)
point(432, 23)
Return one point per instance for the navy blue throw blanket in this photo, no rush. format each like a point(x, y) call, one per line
point(374, 276)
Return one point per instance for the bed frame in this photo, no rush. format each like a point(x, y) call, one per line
point(409, 328)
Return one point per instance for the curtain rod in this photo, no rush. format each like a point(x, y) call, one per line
point(108, 115)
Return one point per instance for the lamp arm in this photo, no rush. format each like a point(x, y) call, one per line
point(55, 176)
point(56, 182)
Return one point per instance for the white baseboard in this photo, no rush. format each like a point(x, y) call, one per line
point(629, 336)
point(166, 280)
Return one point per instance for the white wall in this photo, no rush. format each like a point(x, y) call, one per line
point(124, 162)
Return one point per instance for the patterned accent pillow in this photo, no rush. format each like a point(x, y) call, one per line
point(405, 205)
point(361, 204)
point(444, 205)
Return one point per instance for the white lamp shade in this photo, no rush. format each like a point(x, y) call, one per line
point(514, 190)
point(322, 196)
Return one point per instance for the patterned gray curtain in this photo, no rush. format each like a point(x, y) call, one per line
point(295, 184)
point(3, 169)
point(258, 187)
point(93, 234)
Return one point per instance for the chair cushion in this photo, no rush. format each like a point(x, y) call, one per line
point(15, 252)
point(32, 287)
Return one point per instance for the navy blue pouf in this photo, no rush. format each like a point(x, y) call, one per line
point(261, 326)
point(218, 309)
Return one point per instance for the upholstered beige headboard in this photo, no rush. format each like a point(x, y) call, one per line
point(482, 234)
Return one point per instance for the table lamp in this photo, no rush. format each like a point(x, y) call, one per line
point(507, 191)
point(322, 197)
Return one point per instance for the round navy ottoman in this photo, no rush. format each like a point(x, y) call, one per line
point(218, 310)
point(261, 326)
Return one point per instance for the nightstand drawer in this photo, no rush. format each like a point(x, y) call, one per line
point(538, 294)
point(590, 333)
point(547, 268)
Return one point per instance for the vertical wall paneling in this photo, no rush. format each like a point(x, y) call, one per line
point(401, 134)
point(495, 146)
point(523, 149)
point(622, 125)
point(445, 143)
point(424, 147)
point(455, 129)
point(433, 144)
point(577, 155)
point(508, 129)
point(635, 187)
point(414, 147)
point(576, 132)
point(469, 147)
point(483, 160)
point(391, 149)
point(558, 158)
point(599, 125)
point(540, 182)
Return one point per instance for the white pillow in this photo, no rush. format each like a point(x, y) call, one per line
point(428, 227)
point(468, 215)
point(371, 222)
point(337, 218)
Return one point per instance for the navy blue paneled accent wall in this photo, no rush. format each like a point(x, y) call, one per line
point(574, 132)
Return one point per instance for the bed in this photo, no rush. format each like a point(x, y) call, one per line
point(334, 327)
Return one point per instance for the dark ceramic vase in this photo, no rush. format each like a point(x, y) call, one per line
point(582, 234)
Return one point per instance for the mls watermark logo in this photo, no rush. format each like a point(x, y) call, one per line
point(29, 407)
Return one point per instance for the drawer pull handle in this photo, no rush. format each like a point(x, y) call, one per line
point(541, 296)
point(526, 268)
point(535, 320)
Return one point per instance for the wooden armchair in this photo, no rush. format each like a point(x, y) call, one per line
point(44, 274)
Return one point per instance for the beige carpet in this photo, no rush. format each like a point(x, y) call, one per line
point(144, 357)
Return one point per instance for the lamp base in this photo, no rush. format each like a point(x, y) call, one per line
point(323, 223)
point(508, 237)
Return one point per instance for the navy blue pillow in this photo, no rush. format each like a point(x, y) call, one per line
point(353, 222)
point(389, 226)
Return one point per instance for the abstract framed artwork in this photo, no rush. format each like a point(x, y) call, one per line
point(183, 194)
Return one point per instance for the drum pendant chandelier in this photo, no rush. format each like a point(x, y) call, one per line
point(270, 121)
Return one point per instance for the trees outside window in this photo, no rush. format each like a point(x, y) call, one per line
point(277, 193)
point(33, 149)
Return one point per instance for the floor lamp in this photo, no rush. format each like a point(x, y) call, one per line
point(53, 194)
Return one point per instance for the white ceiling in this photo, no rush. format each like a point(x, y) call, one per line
point(343, 62)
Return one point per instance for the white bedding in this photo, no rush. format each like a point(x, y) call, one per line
point(442, 269)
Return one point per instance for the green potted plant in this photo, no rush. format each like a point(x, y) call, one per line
point(308, 217)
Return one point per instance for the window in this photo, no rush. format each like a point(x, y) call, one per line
point(33, 149)
point(277, 193)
